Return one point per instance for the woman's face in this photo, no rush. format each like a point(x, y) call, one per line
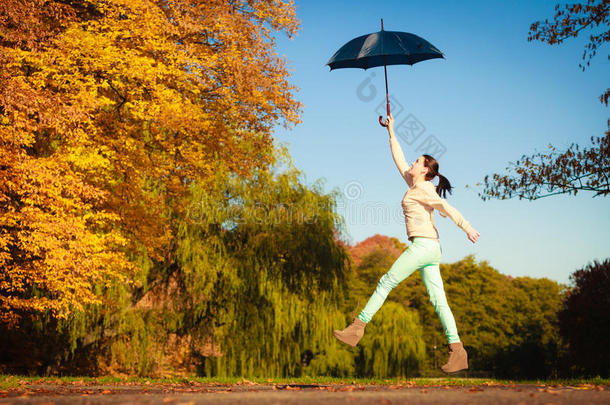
point(417, 167)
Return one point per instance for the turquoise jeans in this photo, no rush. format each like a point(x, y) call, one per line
point(423, 254)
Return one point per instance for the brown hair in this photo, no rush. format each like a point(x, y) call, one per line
point(443, 183)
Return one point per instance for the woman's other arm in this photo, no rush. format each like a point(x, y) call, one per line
point(431, 198)
point(399, 157)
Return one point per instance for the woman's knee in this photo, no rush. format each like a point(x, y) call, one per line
point(388, 281)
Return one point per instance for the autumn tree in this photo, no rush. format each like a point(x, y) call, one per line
point(109, 110)
point(577, 168)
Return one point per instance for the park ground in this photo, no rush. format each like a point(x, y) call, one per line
point(186, 391)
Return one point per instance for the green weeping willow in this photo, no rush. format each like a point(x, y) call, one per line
point(278, 284)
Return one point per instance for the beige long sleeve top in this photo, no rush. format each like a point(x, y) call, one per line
point(420, 201)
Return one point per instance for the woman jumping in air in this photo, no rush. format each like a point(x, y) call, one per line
point(424, 253)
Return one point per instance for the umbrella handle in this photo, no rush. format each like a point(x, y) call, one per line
point(388, 108)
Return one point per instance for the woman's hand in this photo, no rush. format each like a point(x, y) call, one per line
point(389, 122)
point(473, 236)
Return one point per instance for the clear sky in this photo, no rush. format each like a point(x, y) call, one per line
point(494, 98)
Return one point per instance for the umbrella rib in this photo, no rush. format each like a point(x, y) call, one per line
point(401, 44)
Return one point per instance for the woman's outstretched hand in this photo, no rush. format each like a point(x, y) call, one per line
point(473, 236)
point(389, 122)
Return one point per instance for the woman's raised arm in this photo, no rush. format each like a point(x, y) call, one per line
point(399, 157)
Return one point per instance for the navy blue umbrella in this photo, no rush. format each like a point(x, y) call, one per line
point(383, 48)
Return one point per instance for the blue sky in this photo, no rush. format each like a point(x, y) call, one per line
point(494, 98)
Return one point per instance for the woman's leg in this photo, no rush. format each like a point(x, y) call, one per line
point(421, 252)
point(434, 284)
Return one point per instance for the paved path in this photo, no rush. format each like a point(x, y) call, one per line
point(267, 394)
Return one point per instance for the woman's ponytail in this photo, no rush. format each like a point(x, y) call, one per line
point(443, 183)
point(443, 186)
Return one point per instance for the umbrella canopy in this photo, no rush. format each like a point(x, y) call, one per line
point(383, 48)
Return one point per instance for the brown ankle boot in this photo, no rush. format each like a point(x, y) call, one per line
point(353, 333)
point(458, 358)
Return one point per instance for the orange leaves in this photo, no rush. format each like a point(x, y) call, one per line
point(52, 254)
point(32, 23)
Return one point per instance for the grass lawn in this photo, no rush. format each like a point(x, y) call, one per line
point(15, 381)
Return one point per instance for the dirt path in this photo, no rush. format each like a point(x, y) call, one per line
point(263, 394)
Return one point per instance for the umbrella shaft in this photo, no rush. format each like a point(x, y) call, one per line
point(387, 98)
point(385, 71)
